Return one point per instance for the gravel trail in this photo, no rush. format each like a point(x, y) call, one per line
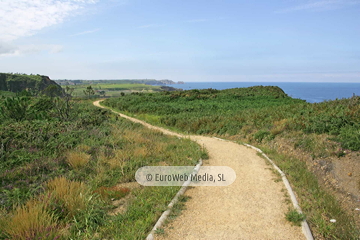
point(253, 207)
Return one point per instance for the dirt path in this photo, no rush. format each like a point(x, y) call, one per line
point(253, 207)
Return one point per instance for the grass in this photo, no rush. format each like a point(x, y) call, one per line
point(77, 159)
point(319, 205)
point(36, 169)
point(160, 231)
point(145, 208)
point(71, 195)
point(257, 112)
point(295, 217)
point(112, 193)
point(258, 115)
point(31, 221)
point(7, 94)
point(69, 171)
point(114, 90)
point(178, 208)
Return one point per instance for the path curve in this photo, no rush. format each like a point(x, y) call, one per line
point(253, 207)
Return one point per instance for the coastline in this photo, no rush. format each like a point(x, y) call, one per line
point(311, 92)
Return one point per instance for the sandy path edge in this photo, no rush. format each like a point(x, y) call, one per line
point(252, 207)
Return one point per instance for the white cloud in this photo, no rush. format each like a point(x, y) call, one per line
point(7, 49)
point(21, 18)
point(51, 48)
point(324, 5)
point(85, 32)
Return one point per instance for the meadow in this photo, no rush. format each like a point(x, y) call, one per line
point(67, 170)
point(260, 116)
point(112, 89)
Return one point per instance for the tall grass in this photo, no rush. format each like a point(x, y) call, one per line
point(71, 195)
point(75, 168)
point(77, 159)
point(31, 221)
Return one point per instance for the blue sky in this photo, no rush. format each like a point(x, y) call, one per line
point(183, 40)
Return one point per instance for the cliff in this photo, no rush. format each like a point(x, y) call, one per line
point(19, 82)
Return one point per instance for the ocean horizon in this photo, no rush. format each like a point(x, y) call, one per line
point(313, 92)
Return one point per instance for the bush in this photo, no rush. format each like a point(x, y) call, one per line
point(350, 137)
point(295, 217)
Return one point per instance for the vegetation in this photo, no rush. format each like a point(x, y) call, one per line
point(264, 111)
point(64, 163)
point(34, 84)
point(7, 94)
point(318, 205)
point(115, 81)
point(259, 115)
point(109, 88)
point(89, 91)
point(295, 217)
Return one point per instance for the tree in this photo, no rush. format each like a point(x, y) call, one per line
point(89, 91)
point(63, 105)
point(102, 93)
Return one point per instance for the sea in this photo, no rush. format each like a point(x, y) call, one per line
point(313, 92)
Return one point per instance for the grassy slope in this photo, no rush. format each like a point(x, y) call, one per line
point(48, 162)
point(258, 115)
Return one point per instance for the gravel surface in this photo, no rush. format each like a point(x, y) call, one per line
point(253, 207)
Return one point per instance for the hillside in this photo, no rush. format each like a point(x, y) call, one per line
point(316, 145)
point(67, 169)
point(117, 81)
point(19, 82)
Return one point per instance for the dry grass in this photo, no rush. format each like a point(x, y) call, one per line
point(279, 127)
point(77, 159)
point(112, 193)
point(318, 145)
point(31, 221)
point(140, 152)
point(70, 194)
point(135, 137)
point(83, 148)
point(119, 159)
point(157, 148)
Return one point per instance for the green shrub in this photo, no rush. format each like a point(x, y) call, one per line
point(350, 137)
point(295, 217)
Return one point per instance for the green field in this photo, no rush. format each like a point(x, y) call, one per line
point(113, 90)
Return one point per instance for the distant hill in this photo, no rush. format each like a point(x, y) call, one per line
point(118, 81)
point(36, 83)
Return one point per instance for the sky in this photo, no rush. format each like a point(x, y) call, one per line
point(183, 40)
